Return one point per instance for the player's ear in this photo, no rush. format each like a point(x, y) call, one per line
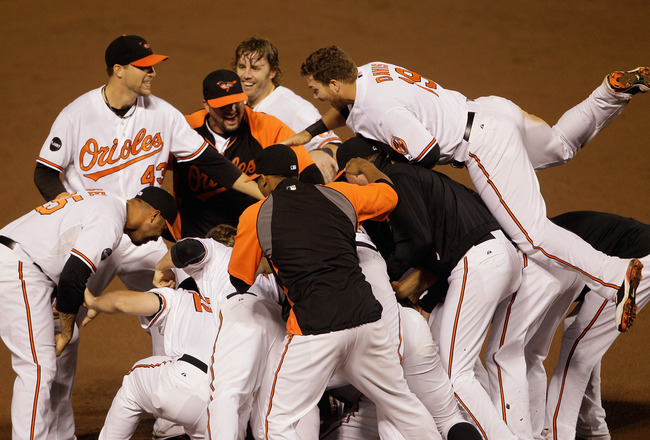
point(206, 106)
point(334, 85)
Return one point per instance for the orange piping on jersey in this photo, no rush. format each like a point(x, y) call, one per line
point(476, 422)
point(568, 362)
point(162, 308)
point(147, 366)
point(460, 303)
point(426, 149)
point(275, 380)
point(33, 348)
point(47, 162)
point(195, 154)
point(503, 336)
point(521, 228)
point(84, 258)
point(328, 141)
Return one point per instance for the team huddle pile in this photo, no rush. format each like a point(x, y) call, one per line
point(312, 288)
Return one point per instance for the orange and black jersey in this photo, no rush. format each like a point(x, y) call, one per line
point(308, 233)
point(203, 202)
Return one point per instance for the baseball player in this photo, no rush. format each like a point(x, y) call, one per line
point(587, 335)
point(119, 137)
point(258, 65)
point(334, 321)
point(173, 386)
point(443, 227)
point(501, 146)
point(249, 326)
point(61, 243)
point(238, 133)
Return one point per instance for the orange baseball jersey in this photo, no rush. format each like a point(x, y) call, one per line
point(308, 232)
point(205, 203)
point(95, 148)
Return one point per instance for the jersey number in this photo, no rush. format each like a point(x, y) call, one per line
point(200, 303)
point(152, 175)
point(56, 204)
point(417, 79)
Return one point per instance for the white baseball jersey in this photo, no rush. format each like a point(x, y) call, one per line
point(407, 111)
point(87, 224)
point(186, 322)
point(212, 278)
point(95, 148)
point(296, 112)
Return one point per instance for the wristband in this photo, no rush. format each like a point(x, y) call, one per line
point(316, 128)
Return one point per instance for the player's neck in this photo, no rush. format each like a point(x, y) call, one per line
point(118, 97)
point(261, 96)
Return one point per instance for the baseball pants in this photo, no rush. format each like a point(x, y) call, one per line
point(585, 341)
point(506, 147)
point(165, 387)
point(249, 328)
point(363, 356)
point(426, 379)
point(515, 321)
point(134, 265)
point(27, 329)
point(489, 273)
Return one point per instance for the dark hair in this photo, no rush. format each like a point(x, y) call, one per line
point(329, 63)
point(256, 48)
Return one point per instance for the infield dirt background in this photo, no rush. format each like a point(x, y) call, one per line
point(545, 56)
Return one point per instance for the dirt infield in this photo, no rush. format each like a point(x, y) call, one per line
point(545, 56)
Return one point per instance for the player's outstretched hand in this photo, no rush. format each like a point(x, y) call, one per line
point(297, 139)
point(325, 163)
point(164, 278)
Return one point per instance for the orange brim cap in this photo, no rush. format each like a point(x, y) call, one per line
point(149, 60)
point(252, 177)
point(227, 100)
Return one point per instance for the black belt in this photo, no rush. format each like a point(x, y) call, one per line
point(468, 131)
point(484, 238)
point(366, 245)
point(7, 242)
point(194, 361)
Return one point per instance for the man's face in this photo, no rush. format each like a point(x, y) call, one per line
point(149, 230)
point(138, 79)
point(325, 92)
point(256, 76)
point(226, 119)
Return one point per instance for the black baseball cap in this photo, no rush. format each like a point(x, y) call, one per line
point(353, 147)
point(275, 159)
point(131, 49)
point(223, 87)
point(164, 202)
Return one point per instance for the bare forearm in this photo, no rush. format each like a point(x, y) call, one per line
point(249, 188)
point(128, 302)
point(415, 283)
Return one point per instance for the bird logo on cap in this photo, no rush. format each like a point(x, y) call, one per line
point(226, 85)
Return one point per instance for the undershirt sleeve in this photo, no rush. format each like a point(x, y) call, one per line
point(48, 182)
point(72, 284)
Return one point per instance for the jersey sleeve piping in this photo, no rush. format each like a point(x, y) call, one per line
point(47, 163)
point(84, 259)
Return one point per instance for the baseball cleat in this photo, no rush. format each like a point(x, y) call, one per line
point(626, 297)
point(631, 82)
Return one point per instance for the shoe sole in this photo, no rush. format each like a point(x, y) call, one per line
point(626, 82)
point(626, 308)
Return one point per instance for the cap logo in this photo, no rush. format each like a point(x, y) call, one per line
point(293, 167)
point(226, 85)
point(145, 45)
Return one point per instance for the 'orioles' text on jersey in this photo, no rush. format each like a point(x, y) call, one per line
point(412, 114)
point(204, 203)
point(95, 148)
point(308, 232)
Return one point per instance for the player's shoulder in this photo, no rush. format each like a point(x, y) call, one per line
point(80, 106)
